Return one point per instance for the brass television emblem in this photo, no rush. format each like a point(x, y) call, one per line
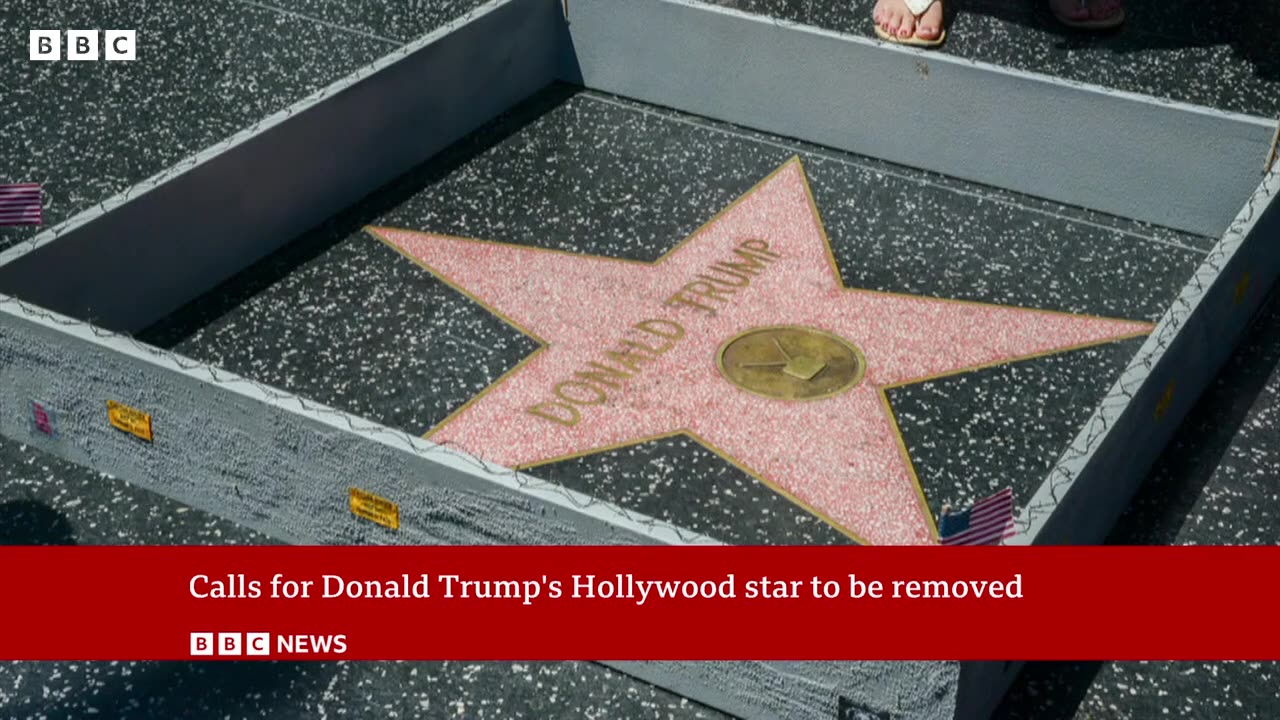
point(790, 362)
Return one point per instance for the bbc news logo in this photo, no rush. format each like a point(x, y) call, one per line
point(205, 644)
point(83, 44)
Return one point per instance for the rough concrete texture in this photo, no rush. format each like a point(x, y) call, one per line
point(279, 466)
point(1223, 54)
point(287, 474)
point(1216, 483)
point(275, 464)
point(800, 82)
point(879, 690)
point(141, 254)
point(45, 500)
point(1086, 493)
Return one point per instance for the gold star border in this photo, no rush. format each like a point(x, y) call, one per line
point(377, 232)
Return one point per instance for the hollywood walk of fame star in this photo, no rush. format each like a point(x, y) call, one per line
point(743, 337)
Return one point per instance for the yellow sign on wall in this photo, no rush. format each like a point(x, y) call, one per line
point(371, 507)
point(130, 420)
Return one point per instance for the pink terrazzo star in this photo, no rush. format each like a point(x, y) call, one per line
point(841, 457)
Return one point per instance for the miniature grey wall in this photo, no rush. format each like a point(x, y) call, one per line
point(167, 240)
point(269, 461)
point(1162, 162)
point(1086, 493)
point(283, 466)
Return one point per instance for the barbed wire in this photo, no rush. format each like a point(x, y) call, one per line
point(14, 248)
point(448, 453)
point(418, 446)
point(1060, 478)
point(1071, 463)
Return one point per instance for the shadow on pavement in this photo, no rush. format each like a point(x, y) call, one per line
point(1161, 507)
point(29, 522)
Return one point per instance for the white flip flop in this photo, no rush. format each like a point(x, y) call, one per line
point(917, 8)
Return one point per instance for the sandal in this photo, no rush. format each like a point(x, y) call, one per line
point(1110, 23)
point(917, 8)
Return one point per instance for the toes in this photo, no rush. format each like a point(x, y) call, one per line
point(893, 21)
point(898, 20)
point(883, 14)
point(930, 25)
point(907, 27)
point(894, 18)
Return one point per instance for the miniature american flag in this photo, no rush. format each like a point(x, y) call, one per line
point(989, 521)
point(20, 204)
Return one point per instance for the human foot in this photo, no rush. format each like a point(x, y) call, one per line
point(911, 22)
point(1088, 14)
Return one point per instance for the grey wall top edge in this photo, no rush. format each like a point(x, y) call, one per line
point(163, 243)
point(194, 161)
point(1102, 425)
point(1162, 162)
point(479, 473)
point(805, 690)
point(880, 45)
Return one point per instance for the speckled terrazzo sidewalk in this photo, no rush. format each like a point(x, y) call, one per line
point(255, 57)
point(1217, 483)
point(1224, 55)
point(90, 130)
point(205, 70)
point(344, 319)
point(46, 500)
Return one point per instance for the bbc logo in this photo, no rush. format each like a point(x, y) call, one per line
point(226, 644)
point(83, 44)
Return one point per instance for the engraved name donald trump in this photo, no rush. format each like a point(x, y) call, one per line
point(649, 340)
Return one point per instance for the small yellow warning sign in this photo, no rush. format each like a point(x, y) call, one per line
point(130, 420)
point(371, 507)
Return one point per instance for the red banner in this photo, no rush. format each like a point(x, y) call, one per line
point(638, 603)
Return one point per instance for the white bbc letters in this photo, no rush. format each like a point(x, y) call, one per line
point(46, 45)
point(121, 44)
point(83, 45)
